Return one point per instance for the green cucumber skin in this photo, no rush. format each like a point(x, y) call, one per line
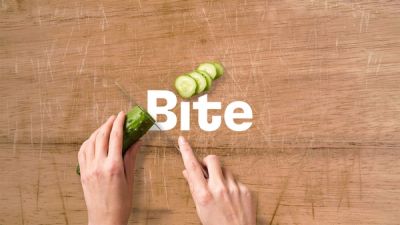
point(208, 79)
point(220, 69)
point(137, 123)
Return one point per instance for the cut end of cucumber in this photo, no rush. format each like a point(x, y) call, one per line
point(208, 79)
point(209, 68)
point(186, 86)
point(200, 81)
point(220, 69)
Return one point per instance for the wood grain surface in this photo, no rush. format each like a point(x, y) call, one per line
point(322, 78)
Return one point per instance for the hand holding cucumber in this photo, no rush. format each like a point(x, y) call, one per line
point(198, 81)
point(107, 177)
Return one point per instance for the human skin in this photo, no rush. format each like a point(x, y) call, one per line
point(220, 199)
point(107, 178)
point(107, 181)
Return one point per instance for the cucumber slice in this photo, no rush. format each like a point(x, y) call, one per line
point(200, 80)
point(208, 79)
point(186, 86)
point(209, 68)
point(220, 69)
point(137, 123)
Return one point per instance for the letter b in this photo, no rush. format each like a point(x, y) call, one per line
point(154, 109)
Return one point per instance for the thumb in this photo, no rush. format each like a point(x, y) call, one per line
point(130, 161)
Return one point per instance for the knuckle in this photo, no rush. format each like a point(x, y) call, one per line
point(102, 133)
point(113, 168)
point(221, 191)
point(234, 190)
point(244, 190)
point(204, 197)
point(211, 158)
point(96, 172)
point(116, 133)
point(193, 165)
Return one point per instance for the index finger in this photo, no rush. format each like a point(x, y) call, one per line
point(192, 165)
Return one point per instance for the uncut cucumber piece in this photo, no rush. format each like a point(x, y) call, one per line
point(200, 81)
point(220, 69)
point(137, 123)
point(209, 68)
point(208, 79)
point(186, 86)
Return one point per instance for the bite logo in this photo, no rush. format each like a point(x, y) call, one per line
point(233, 120)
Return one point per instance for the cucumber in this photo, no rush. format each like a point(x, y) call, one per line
point(208, 79)
point(209, 68)
point(200, 81)
point(137, 123)
point(186, 86)
point(220, 69)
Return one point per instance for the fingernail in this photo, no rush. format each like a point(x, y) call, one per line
point(181, 140)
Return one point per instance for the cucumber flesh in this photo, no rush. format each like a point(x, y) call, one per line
point(137, 123)
point(209, 68)
point(220, 69)
point(208, 79)
point(186, 86)
point(200, 81)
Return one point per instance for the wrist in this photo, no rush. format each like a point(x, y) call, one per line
point(89, 223)
point(106, 223)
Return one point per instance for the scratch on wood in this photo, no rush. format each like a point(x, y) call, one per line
point(39, 17)
point(69, 40)
point(41, 127)
point(285, 185)
point(60, 191)
point(8, 119)
point(105, 20)
point(15, 137)
point(16, 65)
point(359, 173)
point(151, 184)
point(38, 186)
point(208, 24)
point(344, 188)
point(21, 206)
point(379, 66)
point(361, 21)
point(84, 58)
point(48, 65)
point(31, 128)
point(236, 21)
point(164, 178)
point(313, 211)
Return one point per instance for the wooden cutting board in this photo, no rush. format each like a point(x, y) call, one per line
point(322, 78)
